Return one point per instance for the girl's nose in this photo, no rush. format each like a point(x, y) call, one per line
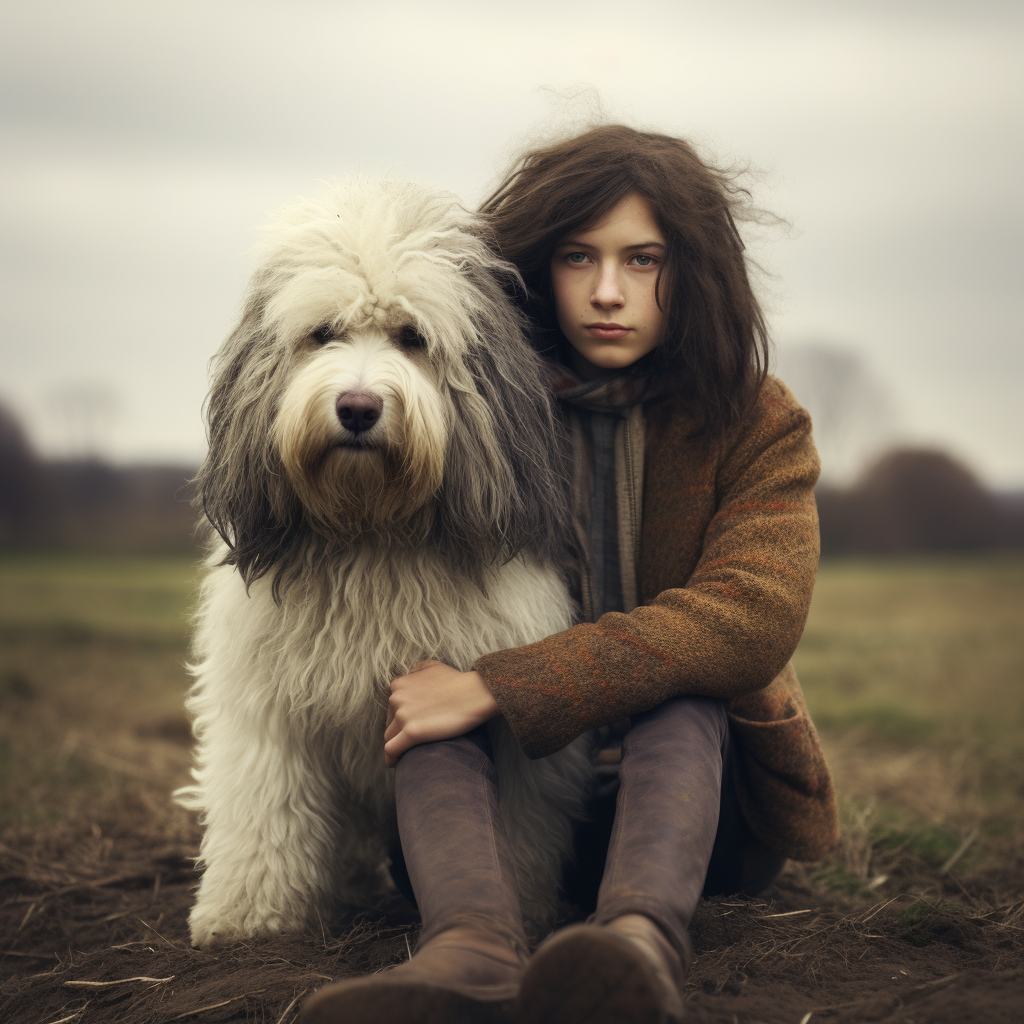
point(607, 289)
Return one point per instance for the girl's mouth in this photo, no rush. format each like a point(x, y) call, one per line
point(608, 330)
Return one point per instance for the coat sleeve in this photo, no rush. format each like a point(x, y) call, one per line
point(728, 631)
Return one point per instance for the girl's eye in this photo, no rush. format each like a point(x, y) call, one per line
point(577, 257)
point(642, 260)
point(322, 334)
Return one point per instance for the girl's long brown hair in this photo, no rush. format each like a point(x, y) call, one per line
point(715, 353)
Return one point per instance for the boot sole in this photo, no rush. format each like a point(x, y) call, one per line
point(589, 975)
point(375, 1000)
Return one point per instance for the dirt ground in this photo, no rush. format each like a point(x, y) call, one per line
point(918, 916)
point(94, 920)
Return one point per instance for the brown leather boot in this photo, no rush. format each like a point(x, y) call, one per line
point(472, 949)
point(628, 966)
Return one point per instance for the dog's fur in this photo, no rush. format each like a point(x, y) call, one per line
point(442, 532)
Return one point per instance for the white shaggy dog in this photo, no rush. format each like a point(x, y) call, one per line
point(385, 477)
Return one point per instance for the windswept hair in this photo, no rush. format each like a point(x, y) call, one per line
point(715, 353)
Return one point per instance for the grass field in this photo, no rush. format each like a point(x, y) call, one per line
point(92, 653)
point(913, 671)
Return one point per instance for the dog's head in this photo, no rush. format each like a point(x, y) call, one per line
point(378, 385)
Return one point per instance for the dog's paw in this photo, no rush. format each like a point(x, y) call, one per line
point(213, 926)
point(209, 936)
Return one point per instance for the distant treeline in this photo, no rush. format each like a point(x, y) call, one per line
point(909, 501)
point(917, 500)
point(84, 504)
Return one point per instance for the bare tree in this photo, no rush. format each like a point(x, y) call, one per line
point(854, 415)
point(19, 481)
point(88, 410)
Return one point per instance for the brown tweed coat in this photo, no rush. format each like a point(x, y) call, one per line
point(728, 556)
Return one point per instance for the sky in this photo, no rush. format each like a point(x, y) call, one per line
point(145, 144)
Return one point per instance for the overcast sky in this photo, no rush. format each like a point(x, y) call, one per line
point(144, 143)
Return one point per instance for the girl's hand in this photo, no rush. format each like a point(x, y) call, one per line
point(434, 702)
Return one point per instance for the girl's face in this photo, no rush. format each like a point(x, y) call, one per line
point(603, 281)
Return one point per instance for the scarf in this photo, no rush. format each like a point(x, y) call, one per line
point(607, 423)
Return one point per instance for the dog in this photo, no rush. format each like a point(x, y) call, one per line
point(385, 484)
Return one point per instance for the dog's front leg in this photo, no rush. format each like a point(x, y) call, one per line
point(271, 829)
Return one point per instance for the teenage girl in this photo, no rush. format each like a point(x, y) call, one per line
point(695, 494)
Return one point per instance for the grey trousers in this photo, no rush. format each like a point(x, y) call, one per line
point(739, 862)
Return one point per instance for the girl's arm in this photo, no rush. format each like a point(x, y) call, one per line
point(434, 702)
point(730, 630)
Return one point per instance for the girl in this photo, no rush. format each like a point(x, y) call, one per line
point(695, 475)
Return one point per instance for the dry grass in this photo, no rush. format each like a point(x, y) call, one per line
point(912, 669)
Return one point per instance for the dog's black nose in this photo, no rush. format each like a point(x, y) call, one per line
point(358, 410)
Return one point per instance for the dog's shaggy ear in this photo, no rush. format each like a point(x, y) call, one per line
point(507, 483)
point(241, 485)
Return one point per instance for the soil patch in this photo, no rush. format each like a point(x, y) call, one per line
point(94, 920)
